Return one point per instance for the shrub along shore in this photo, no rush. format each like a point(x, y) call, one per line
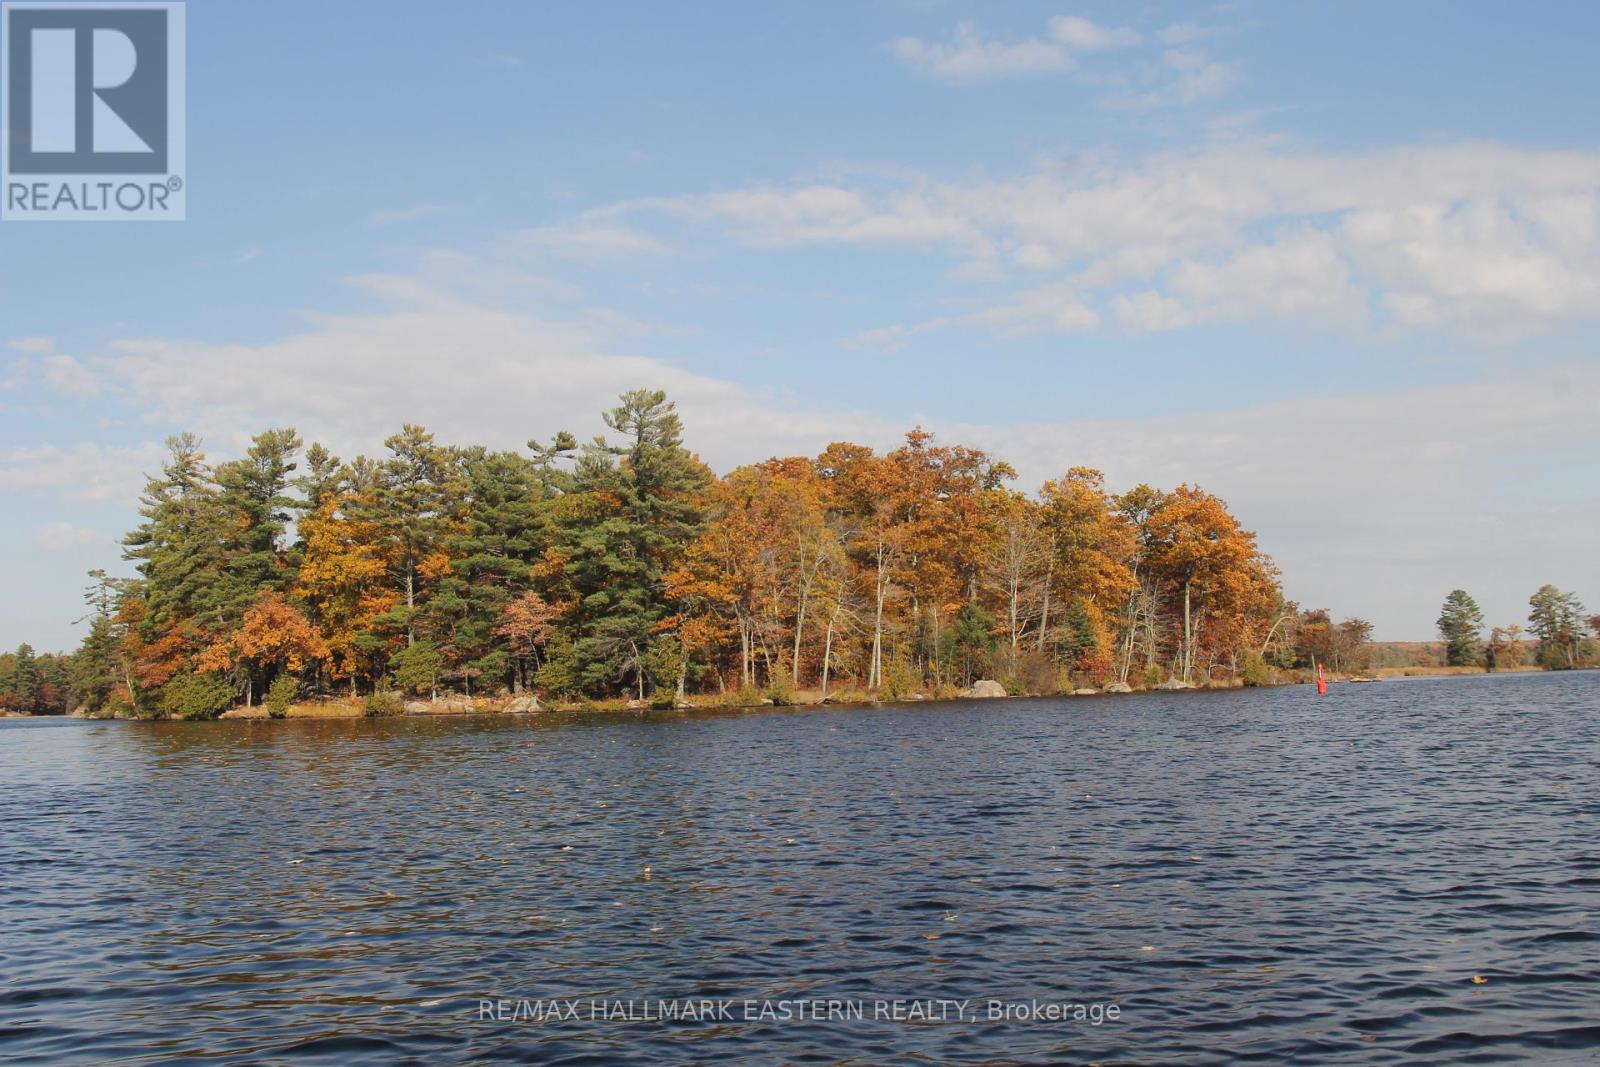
point(506, 705)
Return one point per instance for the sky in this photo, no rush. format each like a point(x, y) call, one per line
point(1338, 264)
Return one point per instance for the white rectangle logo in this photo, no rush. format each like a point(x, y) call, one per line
point(92, 97)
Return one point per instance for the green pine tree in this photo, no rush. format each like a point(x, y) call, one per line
point(416, 497)
point(503, 532)
point(636, 504)
point(1460, 624)
point(1556, 618)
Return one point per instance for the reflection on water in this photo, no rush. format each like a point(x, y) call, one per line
point(1253, 875)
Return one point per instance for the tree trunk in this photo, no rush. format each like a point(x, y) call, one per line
point(875, 671)
point(827, 654)
point(411, 603)
point(1188, 635)
point(746, 667)
point(1044, 606)
point(799, 630)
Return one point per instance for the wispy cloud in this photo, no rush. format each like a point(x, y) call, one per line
point(63, 536)
point(1185, 75)
point(400, 216)
point(33, 346)
point(1172, 67)
point(970, 57)
point(65, 374)
point(85, 471)
point(590, 240)
point(1482, 239)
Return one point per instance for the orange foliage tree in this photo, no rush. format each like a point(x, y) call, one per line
point(273, 636)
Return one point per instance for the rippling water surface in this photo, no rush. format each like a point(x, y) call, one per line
point(1250, 876)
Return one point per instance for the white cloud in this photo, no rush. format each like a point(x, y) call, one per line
point(61, 536)
point(412, 213)
point(593, 241)
point(33, 346)
point(65, 374)
point(85, 471)
point(1300, 277)
point(1187, 75)
point(469, 370)
point(1085, 36)
point(970, 57)
point(1486, 239)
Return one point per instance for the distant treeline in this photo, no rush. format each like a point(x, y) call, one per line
point(625, 567)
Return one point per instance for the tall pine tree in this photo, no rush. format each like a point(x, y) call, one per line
point(636, 505)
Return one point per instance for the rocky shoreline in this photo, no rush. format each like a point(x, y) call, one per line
point(986, 689)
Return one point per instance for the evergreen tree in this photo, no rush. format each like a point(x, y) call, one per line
point(1556, 618)
point(1078, 637)
point(22, 682)
point(502, 534)
point(636, 505)
point(251, 493)
point(972, 640)
point(414, 499)
point(179, 546)
point(1460, 624)
point(323, 479)
point(96, 668)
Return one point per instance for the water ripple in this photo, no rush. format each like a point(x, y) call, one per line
point(1393, 873)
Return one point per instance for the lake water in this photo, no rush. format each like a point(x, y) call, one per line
point(1248, 876)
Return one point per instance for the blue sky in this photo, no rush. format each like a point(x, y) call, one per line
point(1337, 263)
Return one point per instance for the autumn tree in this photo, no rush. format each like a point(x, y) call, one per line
point(1204, 558)
point(1504, 649)
point(1092, 564)
point(1018, 568)
point(273, 637)
point(347, 559)
point(526, 624)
